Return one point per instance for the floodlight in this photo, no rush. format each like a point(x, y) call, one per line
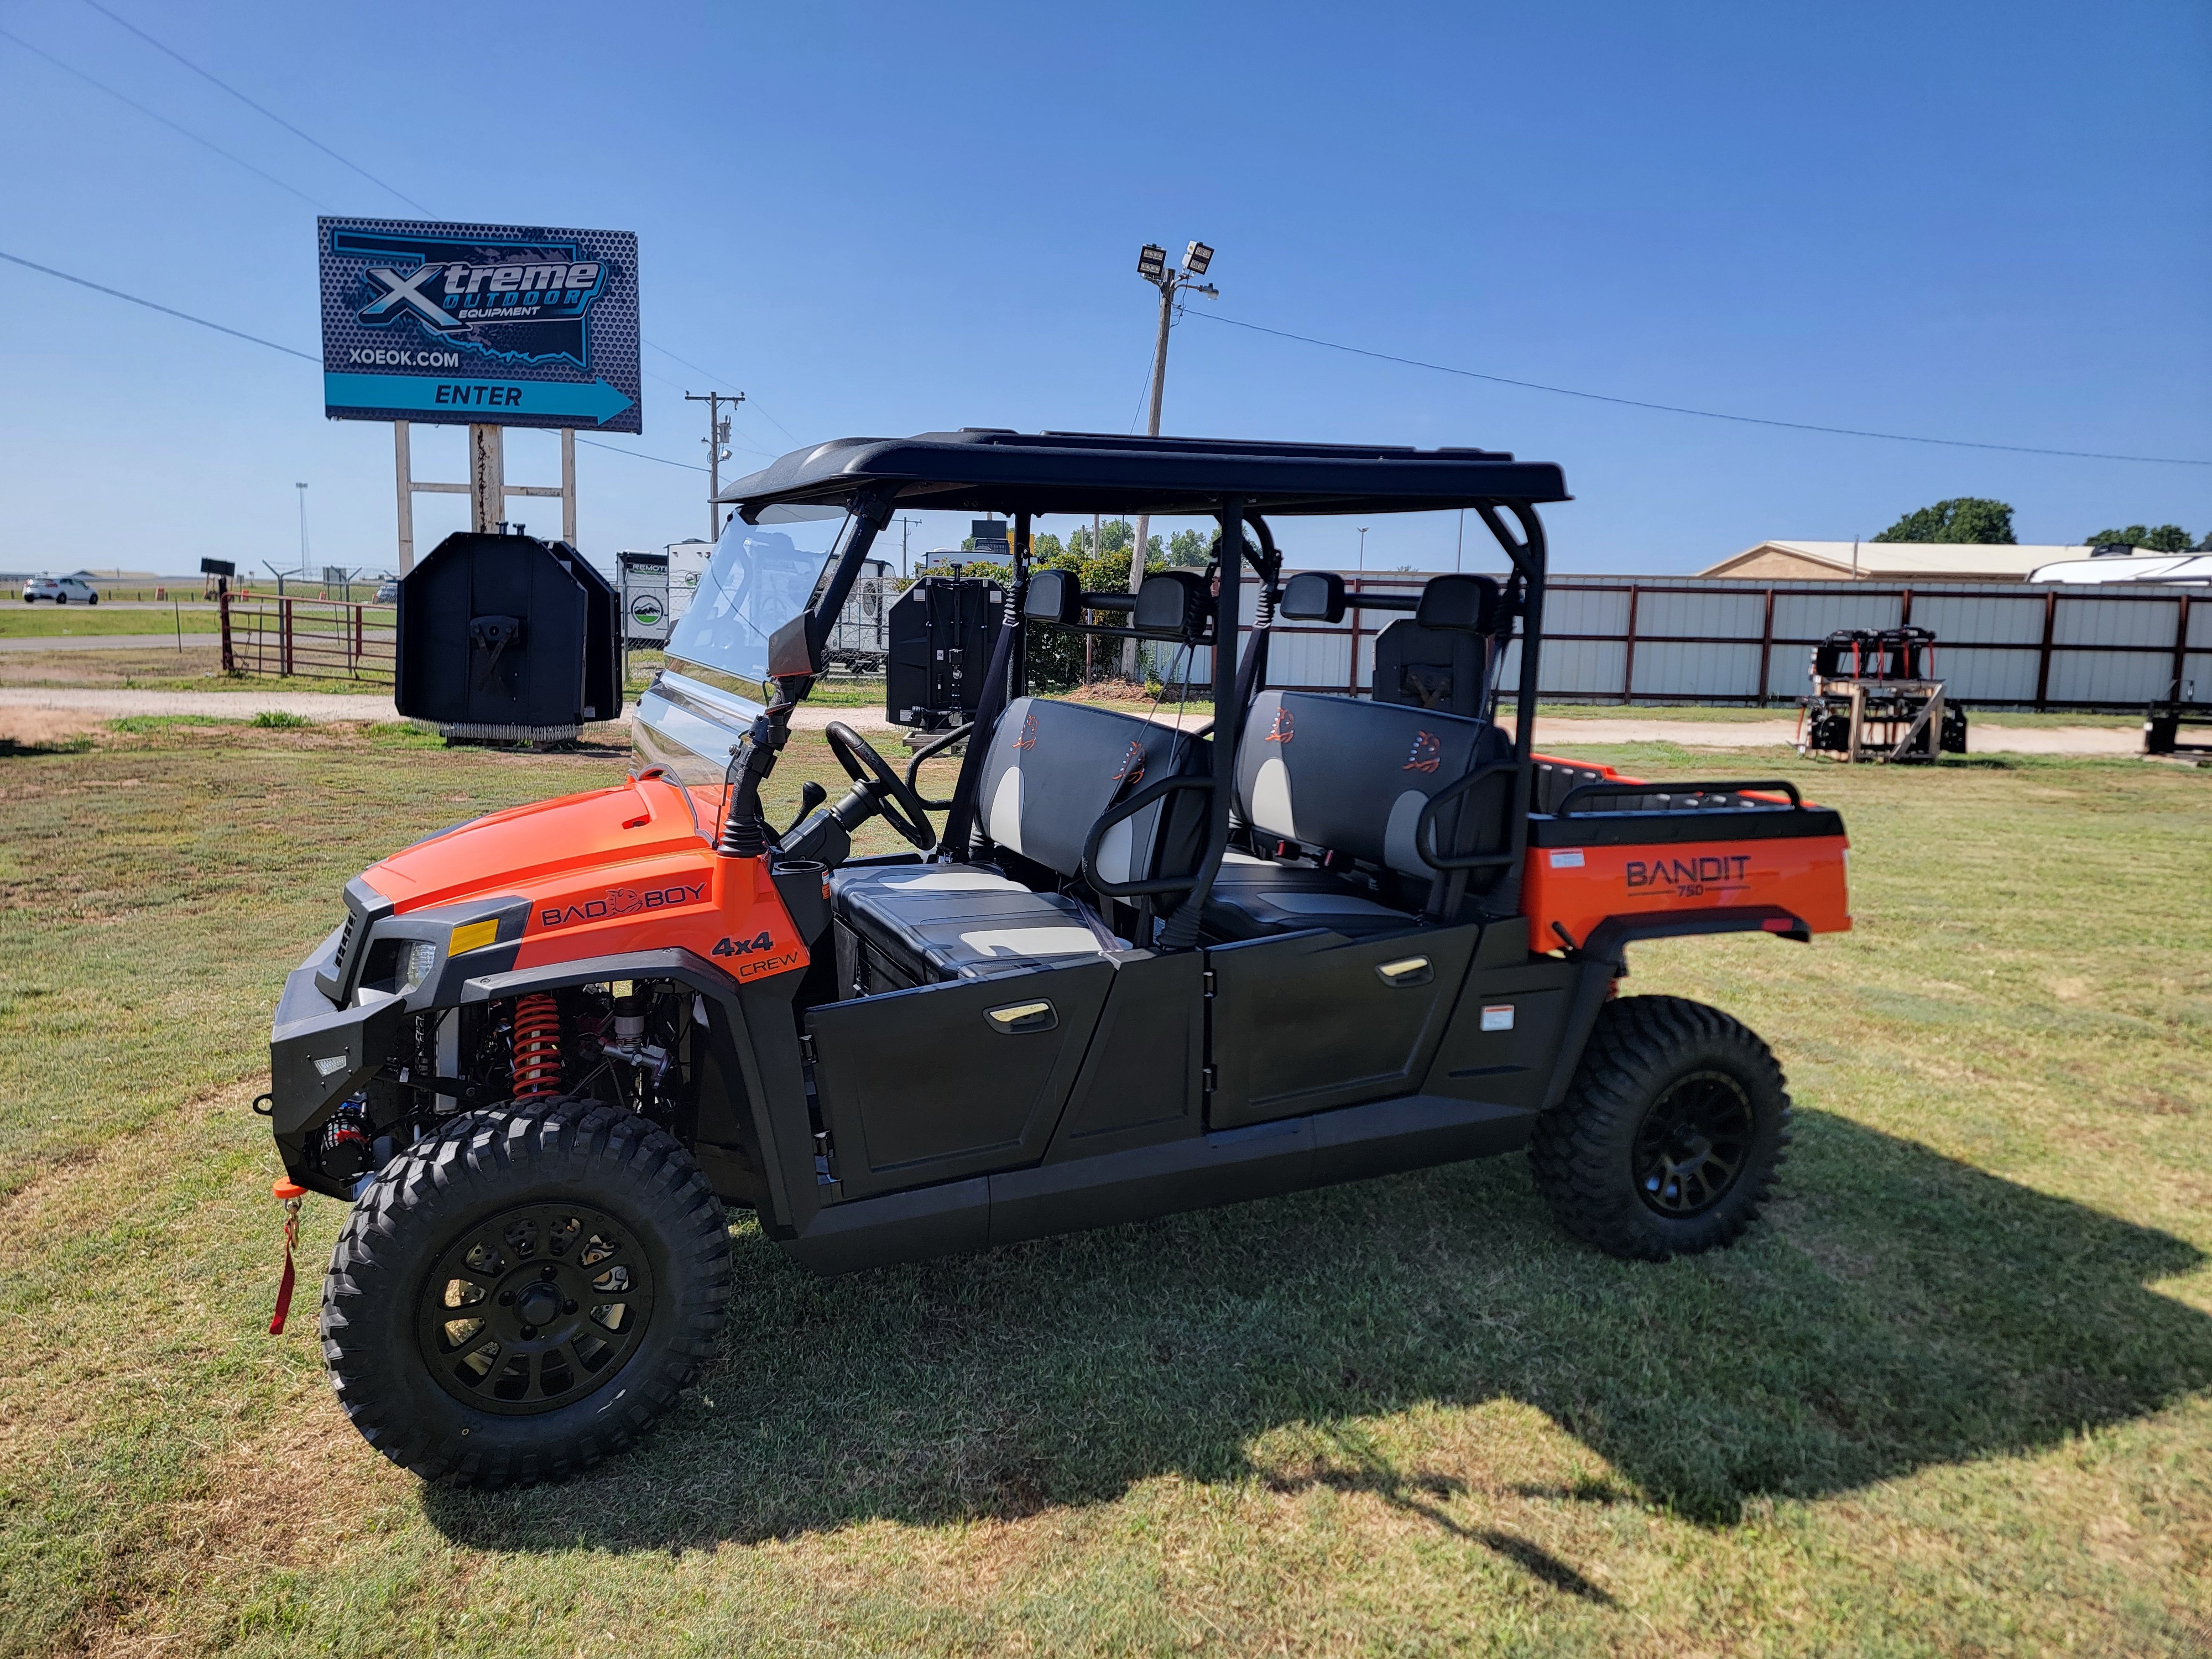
point(1196, 258)
point(1153, 262)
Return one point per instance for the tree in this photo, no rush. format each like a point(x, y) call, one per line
point(1963, 518)
point(2159, 538)
point(1056, 655)
point(1189, 547)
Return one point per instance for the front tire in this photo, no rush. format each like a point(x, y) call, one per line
point(524, 1292)
point(1669, 1138)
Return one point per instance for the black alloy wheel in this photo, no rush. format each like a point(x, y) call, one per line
point(534, 1308)
point(524, 1292)
point(1692, 1144)
point(1668, 1142)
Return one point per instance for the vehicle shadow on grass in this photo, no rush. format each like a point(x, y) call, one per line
point(1900, 1309)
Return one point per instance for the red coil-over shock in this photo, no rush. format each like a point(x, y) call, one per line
point(537, 1046)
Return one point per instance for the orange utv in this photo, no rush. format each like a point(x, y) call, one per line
point(1126, 969)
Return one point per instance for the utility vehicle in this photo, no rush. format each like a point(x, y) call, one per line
point(1130, 970)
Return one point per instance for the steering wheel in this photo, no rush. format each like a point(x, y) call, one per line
point(900, 807)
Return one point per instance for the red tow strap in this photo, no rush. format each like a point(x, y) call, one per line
point(291, 1193)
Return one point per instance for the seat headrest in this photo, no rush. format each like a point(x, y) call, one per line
point(1312, 596)
point(1173, 602)
point(1053, 596)
point(1459, 601)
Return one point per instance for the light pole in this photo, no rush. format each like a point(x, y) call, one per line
point(906, 528)
point(1362, 550)
point(302, 489)
point(1152, 266)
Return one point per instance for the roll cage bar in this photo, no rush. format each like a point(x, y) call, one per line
point(1235, 483)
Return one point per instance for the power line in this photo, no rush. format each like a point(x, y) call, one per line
point(121, 98)
point(638, 455)
point(259, 109)
point(297, 132)
point(726, 380)
point(185, 316)
point(1702, 414)
point(101, 287)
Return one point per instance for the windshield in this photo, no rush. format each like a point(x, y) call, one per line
point(760, 577)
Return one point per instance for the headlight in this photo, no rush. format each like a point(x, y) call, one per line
point(421, 962)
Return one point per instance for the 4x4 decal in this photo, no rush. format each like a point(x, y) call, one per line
point(743, 947)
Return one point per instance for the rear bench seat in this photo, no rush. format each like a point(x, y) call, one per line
point(1051, 773)
point(1351, 776)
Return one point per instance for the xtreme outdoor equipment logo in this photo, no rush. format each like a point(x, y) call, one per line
point(509, 302)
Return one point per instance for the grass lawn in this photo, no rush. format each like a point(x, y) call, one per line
point(23, 621)
point(1955, 1397)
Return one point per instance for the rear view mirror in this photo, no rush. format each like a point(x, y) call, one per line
point(1054, 596)
point(1468, 602)
point(1312, 596)
point(1173, 602)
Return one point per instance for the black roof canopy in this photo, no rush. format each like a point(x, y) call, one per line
point(996, 469)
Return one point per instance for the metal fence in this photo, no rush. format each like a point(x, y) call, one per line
point(1686, 640)
point(306, 639)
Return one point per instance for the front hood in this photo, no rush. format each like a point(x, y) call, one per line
point(526, 845)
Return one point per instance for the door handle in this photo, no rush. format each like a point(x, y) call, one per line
point(1406, 972)
point(1016, 1019)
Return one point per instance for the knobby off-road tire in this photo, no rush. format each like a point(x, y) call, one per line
point(1668, 1140)
point(591, 1218)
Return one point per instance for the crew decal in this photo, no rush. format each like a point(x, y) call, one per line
point(1695, 876)
point(766, 967)
point(622, 902)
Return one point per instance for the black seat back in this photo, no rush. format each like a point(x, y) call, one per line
point(1053, 768)
point(1354, 776)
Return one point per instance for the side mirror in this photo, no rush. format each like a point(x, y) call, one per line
point(1466, 603)
point(792, 653)
point(1054, 596)
point(1312, 596)
point(1173, 602)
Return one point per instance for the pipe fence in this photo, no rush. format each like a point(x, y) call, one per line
point(292, 638)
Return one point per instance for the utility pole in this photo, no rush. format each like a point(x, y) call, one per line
point(302, 489)
point(1152, 266)
point(906, 527)
point(718, 450)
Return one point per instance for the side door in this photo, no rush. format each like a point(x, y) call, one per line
point(1315, 1021)
point(942, 1082)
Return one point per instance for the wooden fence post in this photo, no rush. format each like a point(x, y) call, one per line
point(222, 620)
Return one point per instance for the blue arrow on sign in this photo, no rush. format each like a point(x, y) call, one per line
point(487, 400)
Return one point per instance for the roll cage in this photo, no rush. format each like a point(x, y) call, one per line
point(1240, 484)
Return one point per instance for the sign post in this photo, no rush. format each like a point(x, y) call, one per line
point(486, 327)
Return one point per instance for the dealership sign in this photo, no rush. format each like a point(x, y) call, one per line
point(490, 325)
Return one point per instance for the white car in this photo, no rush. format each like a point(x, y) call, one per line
point(62, 590)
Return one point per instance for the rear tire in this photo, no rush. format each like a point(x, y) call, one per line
point(591, 1222)
point(1669, 1138)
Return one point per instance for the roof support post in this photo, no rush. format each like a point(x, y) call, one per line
point(1181, 932)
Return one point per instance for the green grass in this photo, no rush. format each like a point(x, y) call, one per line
point(25, 622)
point(1956, 1397)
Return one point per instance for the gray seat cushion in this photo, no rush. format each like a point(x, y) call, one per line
point(1256, 898)
point(902, 925)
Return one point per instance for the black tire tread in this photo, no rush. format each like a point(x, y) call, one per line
point(1635, 1044)
point(466, 1163)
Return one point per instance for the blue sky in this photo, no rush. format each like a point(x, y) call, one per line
point(1976, 222)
